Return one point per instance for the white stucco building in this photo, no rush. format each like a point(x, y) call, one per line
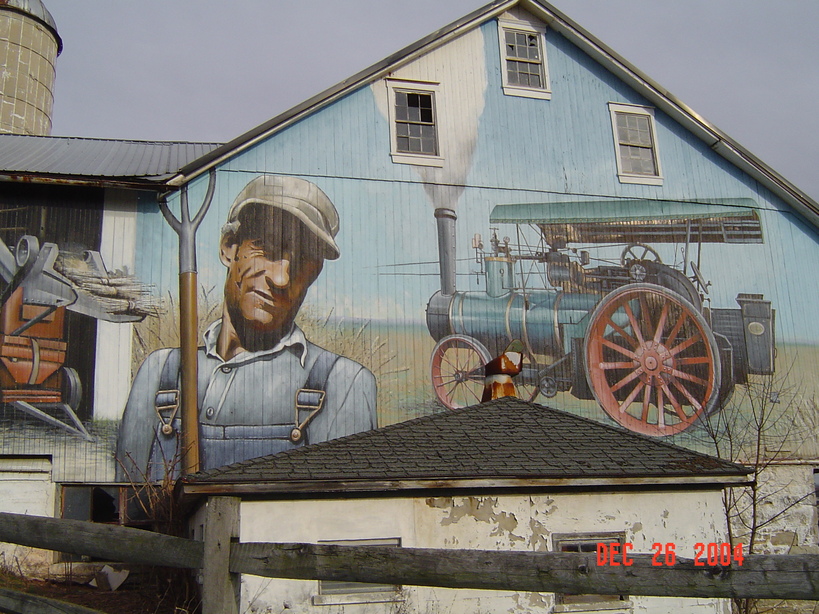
point(507, 475)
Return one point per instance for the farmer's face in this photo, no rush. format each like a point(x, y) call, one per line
point(268, 277)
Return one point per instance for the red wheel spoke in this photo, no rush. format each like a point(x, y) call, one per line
point(618, 348)
point(453, 389)
point(445, 382)
point(446, 360)
point(687, 376)
point(645, 315)
point(661, 323)
point(693, 360)
point(465, 360)
point(685, 344)
point(646, 400)
point(472, 392)
point(673, 400)
point(634, 325)
point(660, 408)
point(631, 341)
point(449, 391)
point(694, 402)
point(676, 330)
point(618, 365)
point(628, 378)
point(473, 364)
point(631, 396)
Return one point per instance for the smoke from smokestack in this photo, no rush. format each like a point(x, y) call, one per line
point(459, 71)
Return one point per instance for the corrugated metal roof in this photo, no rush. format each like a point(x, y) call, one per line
point(506, 439)
point(73, 157)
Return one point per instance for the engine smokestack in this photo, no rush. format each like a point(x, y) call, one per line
point(446, 249)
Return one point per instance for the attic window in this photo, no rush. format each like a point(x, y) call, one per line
point(523, 60)
point(635, 138)
point(414, 124)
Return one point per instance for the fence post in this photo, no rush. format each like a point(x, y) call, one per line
point(220, 588)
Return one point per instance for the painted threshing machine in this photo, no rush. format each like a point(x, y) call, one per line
point(600, 314)
point(37, 285)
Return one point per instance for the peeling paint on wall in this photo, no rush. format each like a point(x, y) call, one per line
point(538, 540)
point(481, 509)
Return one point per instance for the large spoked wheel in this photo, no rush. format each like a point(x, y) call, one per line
point(651, 360)
point(457, 370)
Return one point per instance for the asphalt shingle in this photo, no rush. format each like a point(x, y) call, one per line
point(503, 439)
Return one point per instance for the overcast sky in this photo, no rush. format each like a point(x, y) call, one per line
point(207, 70)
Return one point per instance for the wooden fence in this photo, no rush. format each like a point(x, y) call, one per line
point(221, 558)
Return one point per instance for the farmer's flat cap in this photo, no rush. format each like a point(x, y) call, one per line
point(299, 197)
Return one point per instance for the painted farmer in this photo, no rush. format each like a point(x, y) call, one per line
point(263, 387)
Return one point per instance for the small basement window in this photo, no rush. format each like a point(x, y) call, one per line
point(591, 602)
point(635, 138)
point(523, 60)
point(105, 504)
point(335, 592)
point(414, 125)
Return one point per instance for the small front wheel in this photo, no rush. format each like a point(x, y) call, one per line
point(457, 369)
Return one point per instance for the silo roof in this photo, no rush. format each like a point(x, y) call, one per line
point(37, 10)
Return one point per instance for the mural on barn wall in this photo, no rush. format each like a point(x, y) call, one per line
point(263, 386)
point(683, 295)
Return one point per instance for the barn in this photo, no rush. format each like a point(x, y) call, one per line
point(507, 177)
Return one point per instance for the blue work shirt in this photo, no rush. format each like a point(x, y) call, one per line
point(246, 406)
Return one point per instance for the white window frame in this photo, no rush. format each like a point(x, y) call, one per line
point(420, 87)
point(610, 606)
point(387, 594)
point(614, 109)
point(543, 93)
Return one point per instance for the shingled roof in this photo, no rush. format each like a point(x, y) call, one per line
point(503, 443)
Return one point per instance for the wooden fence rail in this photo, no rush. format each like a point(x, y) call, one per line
point(759, 576)
point(16, 602)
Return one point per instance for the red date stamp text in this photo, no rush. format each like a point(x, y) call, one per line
point(665, 555)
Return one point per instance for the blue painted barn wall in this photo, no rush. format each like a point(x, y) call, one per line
point(525, 151)
point(369, 305)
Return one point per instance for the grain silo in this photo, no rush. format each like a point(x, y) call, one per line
point(29, 46)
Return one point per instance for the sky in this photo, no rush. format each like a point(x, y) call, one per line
point(202, 70)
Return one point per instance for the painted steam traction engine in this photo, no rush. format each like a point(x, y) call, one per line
point(635, 334)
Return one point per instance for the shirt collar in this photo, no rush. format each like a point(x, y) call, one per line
point(292, 339)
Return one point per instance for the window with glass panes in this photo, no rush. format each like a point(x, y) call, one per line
point(340, 587)
point(524, 59)
point(415, 122)
point(635, 140)
point(586, 543)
